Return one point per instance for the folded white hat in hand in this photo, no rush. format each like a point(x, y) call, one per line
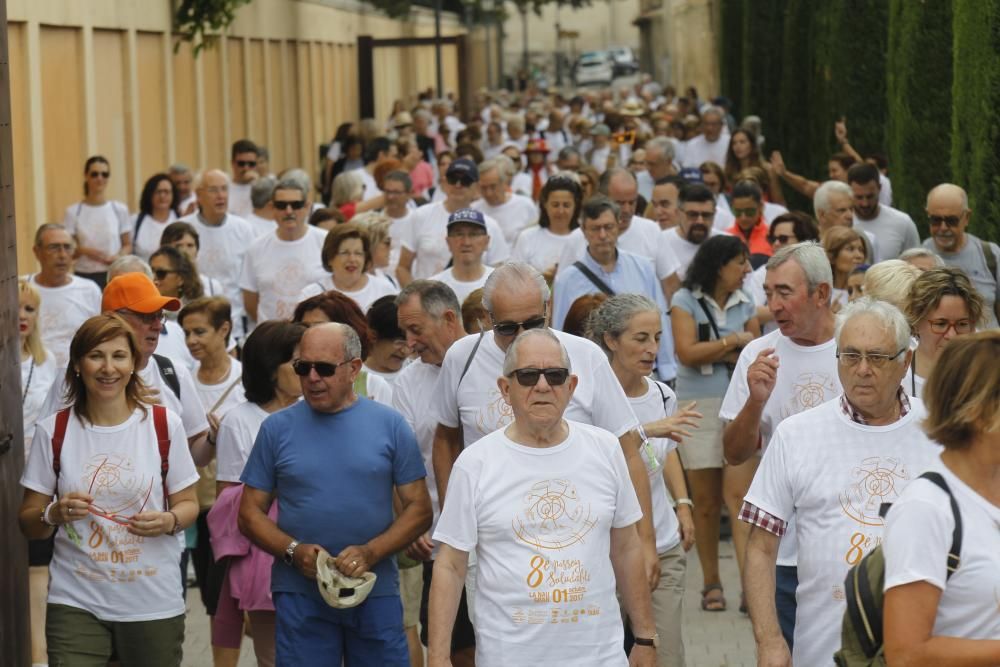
point(339, 590)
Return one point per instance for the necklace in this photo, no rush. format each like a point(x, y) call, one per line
point(27, 385)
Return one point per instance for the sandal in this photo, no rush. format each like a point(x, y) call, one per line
point(711, 602)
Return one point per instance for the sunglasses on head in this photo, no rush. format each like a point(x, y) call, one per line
point(511, 328)
point(324, 369)
point(246, 163)
point(296, 205)
point(528, 377)
point(464, 181)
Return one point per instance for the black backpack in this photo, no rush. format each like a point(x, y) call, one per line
point(861, 632)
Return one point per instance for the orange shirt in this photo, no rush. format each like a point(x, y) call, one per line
point(757, 242)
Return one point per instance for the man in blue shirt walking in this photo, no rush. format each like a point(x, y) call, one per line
point(333, 461)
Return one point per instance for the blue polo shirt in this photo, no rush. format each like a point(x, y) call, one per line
point(333, 475)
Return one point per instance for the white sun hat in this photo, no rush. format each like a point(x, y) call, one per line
point(339, 590)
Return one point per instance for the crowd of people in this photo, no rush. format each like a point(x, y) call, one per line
point(472, 394)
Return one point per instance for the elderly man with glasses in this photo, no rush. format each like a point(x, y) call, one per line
point(546, 505)
point(468, 405)
point(830, 469)
point(334, 462)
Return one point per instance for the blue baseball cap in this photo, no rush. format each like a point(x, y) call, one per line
point(469, 216)
point(463, 166)
point(692, 175)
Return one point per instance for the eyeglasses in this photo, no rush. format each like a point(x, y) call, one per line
point(148, 319)
point(783, 239)
point(949, 220)
point(324, 369)
point(942, 326)
point(745, 212)
point(874, 359)
point(702, 215)
point(283, 205)
point(100, 174)
point(528, 377)
point(120, 519)
point(246, 163)
point(464, 181)
point(511, 328)
point(161, 274)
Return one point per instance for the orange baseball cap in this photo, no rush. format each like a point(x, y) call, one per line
point(135, 291)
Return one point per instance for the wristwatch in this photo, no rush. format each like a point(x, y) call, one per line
point(289, 556)
point(653, 642)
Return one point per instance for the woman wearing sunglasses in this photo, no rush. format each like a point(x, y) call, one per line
point(943, 304)
point(175, 275)
point(117, 494)
point(628, 329)
point(102, 228)
point(268, 384)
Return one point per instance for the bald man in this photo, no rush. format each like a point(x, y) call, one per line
point(948, 217)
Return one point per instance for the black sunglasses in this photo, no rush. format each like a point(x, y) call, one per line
point(949, 220)
point(324, 369)
point(528, 377)
point(282, 205)
point(464, 181)
point(161, 274)
point(511, 328)
point(101, 174)
point(783, 239)
point(246, 163)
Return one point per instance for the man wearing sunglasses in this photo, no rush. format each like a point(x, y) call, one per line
point(830, 469)
point(894, 230)
point(334, 462)
point(548, 508)
point(467, 404)
point(243, 160)
point(948, 218)
point(280, 264)
point(223, 239)
point(424, 250)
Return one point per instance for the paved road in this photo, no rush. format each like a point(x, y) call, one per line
point(711, 639)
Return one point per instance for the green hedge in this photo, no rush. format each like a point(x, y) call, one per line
point(731, 52)
point(975, 152)
point(762, 20)
point(919, 90)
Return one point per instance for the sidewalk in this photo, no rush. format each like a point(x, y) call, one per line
point(711, 639)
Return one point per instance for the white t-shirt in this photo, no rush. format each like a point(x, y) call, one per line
point(220, 256)
point(772, 211)
point(425, 237)
point(172, 345)
point(98, 565)
point(832, 475)
point(261, 226)
point(463, 288)
point(513, 215)
point(378, 388)
point(210, 394)
point(99, 227)
point(894, 232)
point(409, 397)
point(724, 219)
point(63, 310)
point(278, 270)
point(187, 407)
point(539, 521)
point(237, 432)
point(698, 150)
point(917, 539)
point(146, 241)
point(913, 385)
point(36, 381)
point(598, 399)
point(643, 237)
point(371, 187)
point(396, 231)
point(539, 247)
point(682, 249)
point(239, 199)
point(523, 182)
point(375, 288)
point(658, 402)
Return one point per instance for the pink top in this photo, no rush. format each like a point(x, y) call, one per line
point(250, 567)
point(422, 177)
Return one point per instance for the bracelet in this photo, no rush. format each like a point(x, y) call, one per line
point(725, 343)
point(45, 515)
point(684, 501)
point(177, 523)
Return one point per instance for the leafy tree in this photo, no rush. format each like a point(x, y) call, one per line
point(200, 22)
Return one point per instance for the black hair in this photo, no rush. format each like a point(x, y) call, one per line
point(382, 320)
point(695, 192)
point(597, 205)
point(86, 168)
point(376, 146)
point(149, 189)
point(243, 146)
point(560, 183)
point(712, 255)
point(803, 225)
point(747, 189)
point(267, 347)
point(863, 173)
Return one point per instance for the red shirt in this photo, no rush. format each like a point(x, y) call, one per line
point(757, 242)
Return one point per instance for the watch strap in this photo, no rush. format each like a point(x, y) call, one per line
point(289, 556)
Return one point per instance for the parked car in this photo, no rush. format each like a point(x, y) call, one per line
point(625, 61)
point(595, 67)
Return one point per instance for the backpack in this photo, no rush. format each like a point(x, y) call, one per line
point(861, 632)
point(162, 442)
point(168, 373)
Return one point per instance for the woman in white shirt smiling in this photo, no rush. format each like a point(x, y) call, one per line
point(933, 616)
point(124, 489)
